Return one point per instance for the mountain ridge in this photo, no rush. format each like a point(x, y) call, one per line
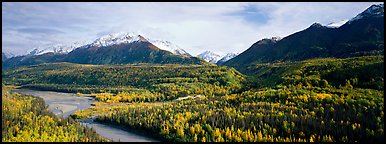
point(209, 56)
point(110, 49)
point(109, 40)
point(226, 57)
point(362, 36)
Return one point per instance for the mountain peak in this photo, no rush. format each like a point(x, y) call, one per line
point(210, 56)
point(7, 55)
point(316, 25)
point(207, 52)
point(168, 46)
point(34, 52)
point(117, 38)
point(375, 10)
point(59, 48)
point(268, 40)
point(276, 38)
point(319, 41)
point(337, 24)
point(227, 57)
point(129, 37)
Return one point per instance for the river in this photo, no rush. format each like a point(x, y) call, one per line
point(65, 104)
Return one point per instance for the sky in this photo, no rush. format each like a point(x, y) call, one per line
point(223, 27)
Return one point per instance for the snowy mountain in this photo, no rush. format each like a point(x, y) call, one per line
point(7, 55)
point(116, 38)
point(363, 36)
point(109, 40)
point(56, 48)
point(210, 56)
point(130, 37)
point(166, 45)
point(216, 58)
point(227, 57)
point(121, 48)
point(372, 11)
point(336, 24)
point(276, 38)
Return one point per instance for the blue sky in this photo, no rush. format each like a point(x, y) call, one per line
point(195, 27)
point(252, 14)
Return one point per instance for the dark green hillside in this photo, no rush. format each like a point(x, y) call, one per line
point(31, 60)
point(317, 100)
point(132, 53)
point(361, 37)
point(166, 81)
point(363, 72)
point(326, 99)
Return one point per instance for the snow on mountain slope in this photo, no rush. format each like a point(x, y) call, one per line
point(129, 37)
point(8, 55)
point(372, 11)
point(166, 45)
point(336, 24)
point(117, 38)
point(56, 48)
point(210, 56)
point(108, 40)
point(227, 57)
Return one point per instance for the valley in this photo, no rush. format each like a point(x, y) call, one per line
point(320, 84)
point(305, 98)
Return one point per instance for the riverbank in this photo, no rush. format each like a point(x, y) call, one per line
point(125, 135)
point(65, 104)
point(61, 104)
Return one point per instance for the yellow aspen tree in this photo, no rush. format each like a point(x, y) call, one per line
point(203, 139)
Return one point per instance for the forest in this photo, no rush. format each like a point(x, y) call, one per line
point(117, 68)
point(317, 100)
point(162, 82)
point(27, 119)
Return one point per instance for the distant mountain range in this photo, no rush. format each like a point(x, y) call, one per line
point(6, 55)
point(108, 40)
point(227, 57)
point(216, 58)
point(3, 57)
point(120, 48)
point(56, 48)
point(209, 56)
point(336, 24)
point(362, 35)
point(125, 38)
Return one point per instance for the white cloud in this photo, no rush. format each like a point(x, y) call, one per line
point(196, 27)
